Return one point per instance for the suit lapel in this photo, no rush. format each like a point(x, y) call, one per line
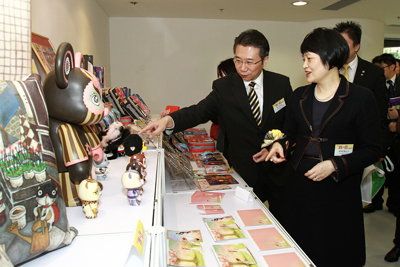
point(267, 99)
point(360, 72)
point(242, 99)
point(306, 105)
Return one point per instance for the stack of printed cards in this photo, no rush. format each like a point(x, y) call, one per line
point(185, 248)
point(223, 228)
point(268, 239)
point(199, 197)
point(284, 259)
point(234, 255)
point(210, 209)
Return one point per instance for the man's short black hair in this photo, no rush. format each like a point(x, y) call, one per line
point(331, 47)
point(353, 30)
point(386, 58)
point(253, 38)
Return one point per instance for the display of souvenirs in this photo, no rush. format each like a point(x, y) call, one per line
point(223, 228)
point(268, 238)
point(234, 255)
point(89, 191)
point(198, 140)
point(284, 259)
point(212, 163)
point(253, 217)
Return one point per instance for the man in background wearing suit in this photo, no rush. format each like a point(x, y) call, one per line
point(247, 104)
point(387, 62)
point(364, 73)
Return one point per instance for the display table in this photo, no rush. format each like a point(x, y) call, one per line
point(180, 215)
point(107, 240)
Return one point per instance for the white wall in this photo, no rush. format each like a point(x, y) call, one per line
point(173, 61)
point(83, 23)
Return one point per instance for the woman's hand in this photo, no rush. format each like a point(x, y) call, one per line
point(156, 127)
point(261, 155)
point(320, 171)
point(276, 154)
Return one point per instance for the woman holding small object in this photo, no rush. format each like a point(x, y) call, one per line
point(331, 130)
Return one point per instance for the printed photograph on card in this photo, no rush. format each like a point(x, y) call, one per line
point(234, 255)
point(193, 236)
point(268, 239)
point(199, 197)
point(290, 259)
point(253, 217)
point(184, 253)
point(223, 228)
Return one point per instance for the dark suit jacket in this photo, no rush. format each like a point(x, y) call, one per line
point(351, 118)
point(228, 104)
point(372, 77)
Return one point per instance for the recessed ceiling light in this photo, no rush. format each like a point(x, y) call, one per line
point(299, 3)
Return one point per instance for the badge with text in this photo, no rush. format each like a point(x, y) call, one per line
point(280, 104)
point(343, 149)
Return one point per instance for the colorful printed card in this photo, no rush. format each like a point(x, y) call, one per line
point(253, 217)
point(184, 253)
point(204, 185)
point(193, 236)
point(223, 228)
point(268, 239)
point(210, 209)
point(234, 255)
point(199, 197)
point(290, 259)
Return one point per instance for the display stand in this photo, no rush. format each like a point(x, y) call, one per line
point(180, 215)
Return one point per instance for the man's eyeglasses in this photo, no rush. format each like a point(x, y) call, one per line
point(248, 63)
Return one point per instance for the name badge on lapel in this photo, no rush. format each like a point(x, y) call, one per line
point(280, 104)
point(343, 149)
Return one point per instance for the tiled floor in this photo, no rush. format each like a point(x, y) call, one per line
point(379, 233)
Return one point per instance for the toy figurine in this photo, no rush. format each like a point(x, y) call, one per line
point(101, 169)
point(89, 192)
point(74, 104)
point(139, 160)
point(118, 141)
point(131, 181)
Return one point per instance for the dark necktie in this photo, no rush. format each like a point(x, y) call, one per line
point(392, 93)
point(254, 104)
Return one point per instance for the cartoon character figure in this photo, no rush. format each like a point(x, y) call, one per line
point(118, 141)
point(89, 192)
point(101, 169)
point(74, 104)
point(132, 182)
point(139, 159)
point(47, 209)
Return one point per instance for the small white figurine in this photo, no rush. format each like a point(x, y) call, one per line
point(101, 169)
point(89, 192)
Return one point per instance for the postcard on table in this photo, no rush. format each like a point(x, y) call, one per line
point(204, 185)
point(199, 197)
point(253, 217)
point(234, 255)
point(290, 259)
point(184, 253)
point(210, 209)
point(223, 228)
point(268, 239)
point(193, 236)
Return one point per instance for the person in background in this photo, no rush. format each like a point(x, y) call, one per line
point(333, 137)
point(364, 73)
point(246, 104)
point(224, 68)
point(387, 63)
point(397, 66)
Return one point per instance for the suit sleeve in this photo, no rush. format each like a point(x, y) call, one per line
point(202, 112)
point(382, 101)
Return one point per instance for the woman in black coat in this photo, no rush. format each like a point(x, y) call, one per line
point(332, 129)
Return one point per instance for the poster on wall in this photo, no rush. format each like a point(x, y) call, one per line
point(44, 52)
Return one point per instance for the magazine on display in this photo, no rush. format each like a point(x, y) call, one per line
point(234, 255)
point(223, 228)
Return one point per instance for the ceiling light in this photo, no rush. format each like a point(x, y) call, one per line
point(299, 3)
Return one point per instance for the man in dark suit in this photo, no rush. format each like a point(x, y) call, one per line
point(244, 123)
point(366, 74)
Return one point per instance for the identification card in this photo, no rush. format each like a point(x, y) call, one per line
point(343, 149)
point(280, 104)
